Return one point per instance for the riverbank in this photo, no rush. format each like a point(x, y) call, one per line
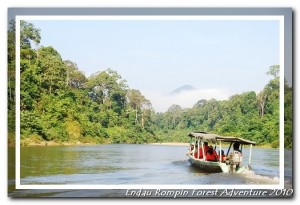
point(41, 143)
point(53, 143)
point(78, 143)
point(172, 144)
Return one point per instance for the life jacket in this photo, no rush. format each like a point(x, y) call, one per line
point(211, 157)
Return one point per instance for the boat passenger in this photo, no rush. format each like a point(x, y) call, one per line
point(236, 147)
point(223, 157)
point(215, 154)
point(205, 146)
point(235, 157)
point(191, 149)
point(210, 156)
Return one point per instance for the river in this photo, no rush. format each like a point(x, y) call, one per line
point(122, 164)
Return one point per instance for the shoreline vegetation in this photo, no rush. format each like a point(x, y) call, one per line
point(29, 143)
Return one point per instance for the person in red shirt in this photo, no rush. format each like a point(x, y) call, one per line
point(205, 146)
point(211, 155)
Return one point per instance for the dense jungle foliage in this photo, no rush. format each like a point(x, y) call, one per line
point(59, 103)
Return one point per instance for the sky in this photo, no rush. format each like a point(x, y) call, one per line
point(219, 58)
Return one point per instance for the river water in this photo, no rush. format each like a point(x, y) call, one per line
point(130, 164)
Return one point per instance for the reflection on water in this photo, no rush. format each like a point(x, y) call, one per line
point(136, 164)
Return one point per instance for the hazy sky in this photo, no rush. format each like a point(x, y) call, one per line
point(218, 58)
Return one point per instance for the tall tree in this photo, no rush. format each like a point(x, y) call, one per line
point(107, 85)
point(29, 90)
point(174, 113)
point(270, 93)
point(53, 69)
point(139, 103)
point(11, 78)
point(74, 77)
point(261, 100)
point(11, 62)
point(28, 33)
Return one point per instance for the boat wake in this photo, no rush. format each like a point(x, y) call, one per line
point(252, 178)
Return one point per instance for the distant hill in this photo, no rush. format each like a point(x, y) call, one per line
point(181, 89)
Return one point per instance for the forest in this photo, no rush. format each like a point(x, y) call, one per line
point(59, 103)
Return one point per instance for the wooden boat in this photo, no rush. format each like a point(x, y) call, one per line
point(200, 155)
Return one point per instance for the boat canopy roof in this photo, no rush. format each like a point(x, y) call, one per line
point(214, 137)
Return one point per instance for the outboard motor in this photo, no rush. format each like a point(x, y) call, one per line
point(235, 158)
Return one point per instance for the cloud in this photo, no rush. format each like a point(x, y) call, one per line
point(161, 102)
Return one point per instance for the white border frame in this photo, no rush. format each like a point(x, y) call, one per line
point(280, 18)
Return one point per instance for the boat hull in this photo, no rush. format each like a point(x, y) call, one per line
point(207, 166)
point(214, 167)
